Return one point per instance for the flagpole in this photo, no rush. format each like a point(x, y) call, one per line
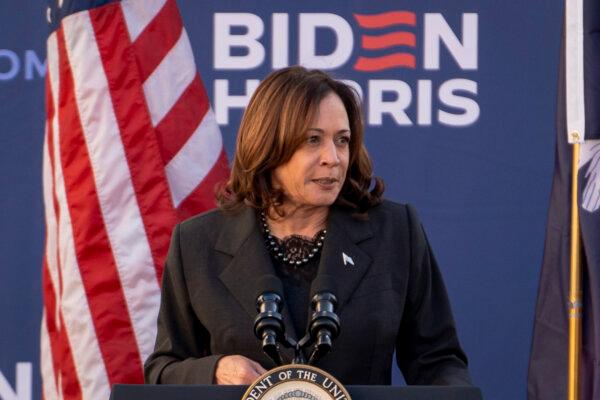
point(575, 302)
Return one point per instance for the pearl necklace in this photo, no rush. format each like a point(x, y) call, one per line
point(292, 250)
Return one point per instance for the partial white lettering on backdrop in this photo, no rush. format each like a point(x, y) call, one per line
point(22, 389)
point(27, 65)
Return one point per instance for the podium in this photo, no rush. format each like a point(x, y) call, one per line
point(358, 392)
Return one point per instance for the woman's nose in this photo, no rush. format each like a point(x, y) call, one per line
point(329, 153)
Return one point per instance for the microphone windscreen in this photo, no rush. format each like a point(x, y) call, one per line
point(268, 284)
point(323, 284)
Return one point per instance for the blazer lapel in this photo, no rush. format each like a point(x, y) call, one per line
point(242, 239)
point(342, 258)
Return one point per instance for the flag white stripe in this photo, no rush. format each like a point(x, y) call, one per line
point(51, 239)
point(46, 365)
point(138, 14)
point(46, 357)
point(118, 202)
point(574, 78)
point(195, 159)
point(87, 358)
point(168, 81)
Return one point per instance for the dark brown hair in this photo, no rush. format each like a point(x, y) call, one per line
point(274, 126)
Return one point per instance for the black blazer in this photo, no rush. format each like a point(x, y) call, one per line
point(392, 298)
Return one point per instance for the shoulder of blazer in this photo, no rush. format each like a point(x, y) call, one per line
point(227, 231)
point(389, 211)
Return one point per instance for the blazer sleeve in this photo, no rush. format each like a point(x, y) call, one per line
point(427, 347)
point(182, 350)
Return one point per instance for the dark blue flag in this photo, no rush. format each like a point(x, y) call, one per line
point(548, 363)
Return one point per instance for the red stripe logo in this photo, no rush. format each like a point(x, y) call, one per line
point(397, 59)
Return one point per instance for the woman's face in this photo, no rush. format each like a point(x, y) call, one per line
point(315, 174)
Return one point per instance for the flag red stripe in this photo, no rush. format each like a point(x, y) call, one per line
point(157, 38)
point(50, 306)
point(203, 197)
point(182, 119)
point(62, 358)
point(104, 293)
point(137, 134)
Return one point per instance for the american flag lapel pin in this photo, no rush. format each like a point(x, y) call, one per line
point(347, 259)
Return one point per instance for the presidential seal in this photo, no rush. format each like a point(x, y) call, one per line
point(296, 382)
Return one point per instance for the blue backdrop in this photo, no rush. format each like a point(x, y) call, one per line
point(467, 136)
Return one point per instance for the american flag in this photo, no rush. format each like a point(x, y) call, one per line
point(131, 148)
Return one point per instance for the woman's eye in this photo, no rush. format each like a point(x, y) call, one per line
point(344, 140)
point(313, 139)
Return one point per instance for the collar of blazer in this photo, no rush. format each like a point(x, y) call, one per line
point(241, 238)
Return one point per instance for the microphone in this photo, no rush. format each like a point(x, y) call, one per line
point(324, 325)
point(268, 324)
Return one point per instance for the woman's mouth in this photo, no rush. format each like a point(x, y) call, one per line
point(326, 183)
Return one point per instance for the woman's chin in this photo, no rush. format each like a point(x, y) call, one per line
point(324, 199)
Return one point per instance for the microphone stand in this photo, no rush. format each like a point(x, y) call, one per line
point(324, 327)
point(268, 325)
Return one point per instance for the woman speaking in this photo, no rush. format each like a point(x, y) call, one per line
point(301, 202)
